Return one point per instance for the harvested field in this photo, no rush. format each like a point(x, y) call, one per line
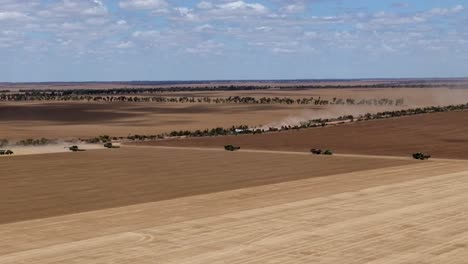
point(444, 135)
point(65, 183)
point(406, 213)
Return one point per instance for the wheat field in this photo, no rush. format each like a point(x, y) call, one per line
point(384, 211)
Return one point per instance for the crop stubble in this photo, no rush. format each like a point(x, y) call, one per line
point(395, 212)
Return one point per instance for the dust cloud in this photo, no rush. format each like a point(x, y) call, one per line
point(51, 148)
point(413, 99)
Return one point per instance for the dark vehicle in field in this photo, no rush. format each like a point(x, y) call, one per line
point(316, 151)
point(110, 145)
point(75, 149)
point(421, 156)
point(6, 152)
point(231, 148)
point(321, 152)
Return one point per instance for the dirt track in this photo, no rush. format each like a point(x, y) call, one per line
point(444, 135)
point(406, 214)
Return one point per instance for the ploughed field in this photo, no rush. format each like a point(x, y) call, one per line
point(156, 205)
point(443, 135)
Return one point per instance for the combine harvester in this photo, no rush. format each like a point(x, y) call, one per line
point(6, 152)
point(421, 156)
point(231, 148)
point(75, 149)
point(321, 152)
point(110, 146)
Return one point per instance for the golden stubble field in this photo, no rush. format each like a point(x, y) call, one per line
point(249, 207)
point(65, 120)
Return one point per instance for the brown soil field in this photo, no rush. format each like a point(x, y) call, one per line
point(46, 185)
point(444, 135)
point(269, 208)
point(64, 120)
point(74, 120)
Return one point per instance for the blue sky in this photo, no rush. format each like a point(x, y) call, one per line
point(106, 40)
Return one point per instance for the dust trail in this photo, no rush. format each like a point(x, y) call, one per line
point(414, 99)
point(332, 111)
point(51, 148)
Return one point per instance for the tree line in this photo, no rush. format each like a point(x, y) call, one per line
point(320, 122)
point(21, 97)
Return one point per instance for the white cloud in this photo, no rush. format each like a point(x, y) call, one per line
point(264, 29)
point(69, 8)
point(204, 28)
point(282, 50)
point(206, 47)
point(186, 13)
point(238, 9)
point(124, 45)
point(146, 34)
point(144, 4)
point(205, 5)
point(294, 8)
point(13, 16)
point(72, 26)
point(446, 11)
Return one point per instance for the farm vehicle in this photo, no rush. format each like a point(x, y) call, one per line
point(5, 152)
point(421, 156)
point(321, 152)
point(231, 148)
point(110, 146)
point(75, 149)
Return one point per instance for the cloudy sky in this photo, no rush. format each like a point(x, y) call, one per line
point(85, 40)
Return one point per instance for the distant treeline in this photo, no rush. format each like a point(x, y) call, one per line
point(140, 90)
point(243, 129)
point(188, 88)
point(19, 97)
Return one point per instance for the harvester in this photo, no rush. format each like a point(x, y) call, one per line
point(110, 145)
point(6, 152)
point(321, 152)
point(421, 156)
point(75, 149)
point(231, 148)
point(316, 151)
